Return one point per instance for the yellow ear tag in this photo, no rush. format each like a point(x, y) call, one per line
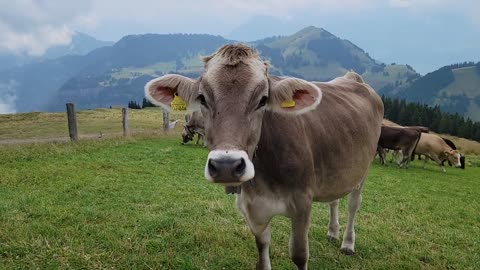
point(288, 104)
point(178, 104)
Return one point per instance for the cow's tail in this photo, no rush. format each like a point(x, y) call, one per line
point(416, 144)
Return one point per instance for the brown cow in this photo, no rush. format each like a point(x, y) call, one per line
point(280, 140)
point(398, 138)
point(194, 126)
point(435, 148)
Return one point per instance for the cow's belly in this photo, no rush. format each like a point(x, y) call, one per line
point(339, 183)
point(339, 171)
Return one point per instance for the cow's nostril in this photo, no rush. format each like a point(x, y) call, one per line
point(240, 167)
point(212, 168)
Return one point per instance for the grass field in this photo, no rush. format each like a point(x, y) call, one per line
point(142, 203)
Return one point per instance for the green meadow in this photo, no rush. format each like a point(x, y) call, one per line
point(142, 203)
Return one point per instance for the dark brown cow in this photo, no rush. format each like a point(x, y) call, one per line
point(194, 126)
point(398, 138)
point(423, 130)
point(280, 140)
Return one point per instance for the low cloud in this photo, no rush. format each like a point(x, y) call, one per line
point(7, 97)
point(30, 26)
point(285, 8)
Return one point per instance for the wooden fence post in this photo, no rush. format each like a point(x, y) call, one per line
point(125, 121)
point(72, 122)
point(166, 121)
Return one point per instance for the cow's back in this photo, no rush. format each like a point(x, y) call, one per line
point(431, 143)
point(334, 144)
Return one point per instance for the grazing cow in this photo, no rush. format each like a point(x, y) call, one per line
point(423, 130)
point(278, 142)
point(454, 147)
point(194, 126)
point(398, 138)
point(435, 148)
point(397, 154)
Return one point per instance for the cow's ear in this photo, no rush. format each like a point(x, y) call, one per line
point(161, 91)
point(292, 95)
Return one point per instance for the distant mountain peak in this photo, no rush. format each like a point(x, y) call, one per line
point(314, 32)
point(313, 29)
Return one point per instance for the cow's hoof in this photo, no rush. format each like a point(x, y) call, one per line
point(347, 251)
point(332, 238)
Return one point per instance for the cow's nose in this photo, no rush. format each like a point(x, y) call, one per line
point(226, 169)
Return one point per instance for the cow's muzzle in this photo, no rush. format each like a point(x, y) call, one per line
point(229, 167)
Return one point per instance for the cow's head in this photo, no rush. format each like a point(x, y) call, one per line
point(187, 134)
point(233, 94)
point(453, 157)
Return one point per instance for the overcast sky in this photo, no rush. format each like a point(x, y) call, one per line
point(426, 34)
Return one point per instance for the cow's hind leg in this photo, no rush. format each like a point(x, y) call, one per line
point(408, 154)
point(333, 225)
point(298, 244)
point(381, 154)
point(354, 201)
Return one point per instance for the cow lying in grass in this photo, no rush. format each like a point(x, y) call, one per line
point(278, 141)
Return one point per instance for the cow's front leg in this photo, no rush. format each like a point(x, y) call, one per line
point(261, 231)
point(258, 220)
point(439, 162)
point(333, 225)
point(298, 245)
point(354, 202)
point(262, 240)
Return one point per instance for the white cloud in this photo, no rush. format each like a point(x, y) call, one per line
point(32, 26)
point(7, 97)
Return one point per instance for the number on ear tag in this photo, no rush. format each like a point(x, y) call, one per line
point(288, 104)
point(178, 104)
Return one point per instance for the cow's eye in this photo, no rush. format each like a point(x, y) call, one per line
point(262, 102)
point(202, 100)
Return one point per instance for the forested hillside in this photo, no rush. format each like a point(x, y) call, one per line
point(416, 114)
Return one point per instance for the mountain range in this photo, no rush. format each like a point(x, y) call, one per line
point(454, 88)
point(113, 75)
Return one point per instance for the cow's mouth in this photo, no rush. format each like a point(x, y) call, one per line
point(229, 167)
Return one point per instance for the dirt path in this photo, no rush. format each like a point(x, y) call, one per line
point(48, 140)
point(95, 136)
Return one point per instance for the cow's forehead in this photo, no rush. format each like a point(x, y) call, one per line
point(246, 74)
